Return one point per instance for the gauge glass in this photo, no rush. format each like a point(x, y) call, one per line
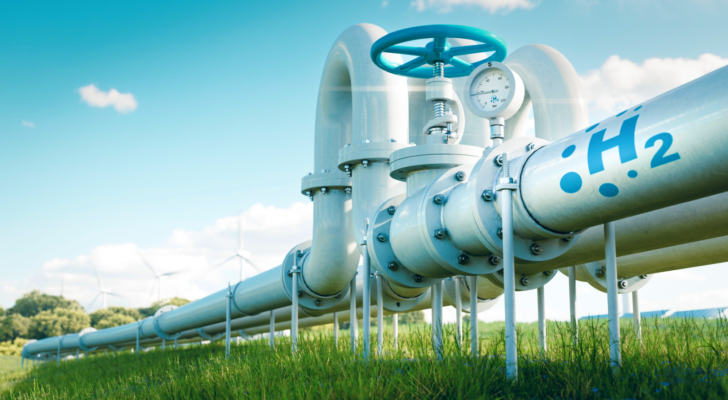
point(491, 90)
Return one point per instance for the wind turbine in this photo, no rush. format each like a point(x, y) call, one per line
point(102, 291)
point(157, 277)
point(239, 253)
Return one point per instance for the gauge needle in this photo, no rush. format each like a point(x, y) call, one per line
point(486, 92)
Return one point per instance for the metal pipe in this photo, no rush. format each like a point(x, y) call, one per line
point(395, 331)
point(636, 317)
point(572, 305)
point(380, 317)
point(366, 306)
point(294, 311)
point(509, 277)
point(336, 330)
point(458, 312)
point(437, 320)
point(610, 250)
point(272, 329)
point(473, 283)
point(353, 324)
point(541, 320)
point(227, 323)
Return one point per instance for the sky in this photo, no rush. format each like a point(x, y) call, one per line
point(141, 127)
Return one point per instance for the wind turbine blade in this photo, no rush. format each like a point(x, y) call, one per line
point(251, 264)
point(174, 272)
point(147, 263)
point(117, 295)
point(151, 294)
point(93, 301)
point(98, 277)
point(218, 265)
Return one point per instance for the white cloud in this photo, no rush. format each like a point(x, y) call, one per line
point(28, 124)
point(268, 233)
point(620, 83)
point(385, 3)
point(492, 6)
point(122, 102)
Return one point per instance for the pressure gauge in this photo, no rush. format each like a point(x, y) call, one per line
point(493, 90)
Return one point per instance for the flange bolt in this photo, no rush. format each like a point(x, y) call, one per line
point(418, 278)
point(530, 146)
point(317, 302)
point(500, 233)
point(460, 176)
point(548, 273)
point(643, 276)
point(393, 266)
point(391, 210)
point(498, 160)
point(299, 253)
point(487, 195)
point(300, 293)
point(438, 199)
point(494, 260)
point(567, 239)
point(600, 273)
point(623, 284)
point(440, 233)
point(463, 259)
point(536, 249)
point(525, 281)
point(382, 237)
point(500, 272)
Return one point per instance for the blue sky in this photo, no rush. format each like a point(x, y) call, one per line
point(225, 98)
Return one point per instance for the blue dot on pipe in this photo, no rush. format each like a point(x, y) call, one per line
point(622, 113)
point(589, 129)
point(568, 151)
point(638, 108)
point(608, 190)
point(571, 182)
point(632, 174)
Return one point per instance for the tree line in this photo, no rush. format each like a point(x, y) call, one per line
point(38, 315)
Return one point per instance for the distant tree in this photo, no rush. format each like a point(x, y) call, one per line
point(110, 313)
point(58, 322)
point(2, 312)
point(35, 302)
point(114, 320)
point(414, 317)
point(13, 326)
point(149, 311)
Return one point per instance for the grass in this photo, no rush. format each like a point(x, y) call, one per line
point(678, 359)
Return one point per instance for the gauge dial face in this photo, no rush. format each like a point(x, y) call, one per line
point(491, 90)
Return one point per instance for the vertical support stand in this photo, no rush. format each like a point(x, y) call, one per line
point(395, 330)
point(541, 320)
point(572, 304)
point(76, 355)
point(164, 346)
point(473, 283)
point(367, 301)
point(353, 320)
point(139, 328)
point(506, 186)
point(626, 303)
point(294, 308)
point(58, 356)
point(610, 250)
point(227, 322)
point(380, 317)
point(273, 329)
point(175, 344)
point(458, 312)
point(636, 318)
point(336, 330)
point(437, 319)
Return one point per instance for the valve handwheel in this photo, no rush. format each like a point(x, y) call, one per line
point(437, 51)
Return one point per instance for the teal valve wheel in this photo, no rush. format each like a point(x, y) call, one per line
point(438, 50)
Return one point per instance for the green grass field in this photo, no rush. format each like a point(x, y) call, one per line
point(677, 359)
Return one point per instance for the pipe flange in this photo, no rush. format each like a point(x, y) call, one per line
point(354, 154)
point(381, 255)
point(392, 301)
point(594, 273)
point(24, 353)
point(483, 304)
point(80, 339)
point(524, 282)
point(163, 334)
point(207, 336)
point(429, 156)
point(528, 247)
point(329, 180)
point(307, 298)
point(441, 249)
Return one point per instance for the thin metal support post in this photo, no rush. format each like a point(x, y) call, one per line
point(610, 252)
point(272, 329)
point(437, 319)
point(58, 356)
point(139, 328)
point(175, 344)
point(336, 330)
point(76, 355)
point(353, 319)
point(506, 186)
point(380, 317)
point(395, 330)
point(227, 321)
point(367, 301)
point(104, 352)
point(636, 318)
point(294, 308)
point(458, 312)
point(541, 320)
point(473, 283)
point(572, 304)
point(164, 346)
